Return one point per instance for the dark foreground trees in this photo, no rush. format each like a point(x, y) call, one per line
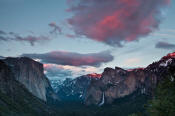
point(163, 103)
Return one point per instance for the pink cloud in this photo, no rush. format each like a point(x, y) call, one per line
point(72, 58)
point(115, 21)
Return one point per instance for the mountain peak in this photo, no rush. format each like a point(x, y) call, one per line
point(170, 55)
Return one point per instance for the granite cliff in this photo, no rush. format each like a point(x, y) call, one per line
point(30, 73)
point(118, 83)
point(16, 100)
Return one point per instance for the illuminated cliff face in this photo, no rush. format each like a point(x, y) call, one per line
point(94, 75)
point(117, 83)
point(171, 55)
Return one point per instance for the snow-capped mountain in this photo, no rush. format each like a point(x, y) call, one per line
point(73, 89)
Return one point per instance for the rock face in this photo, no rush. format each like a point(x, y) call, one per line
point(6, 78)
point(118, 83)
point(15, 99)
point(30, 74)
point(74, 89)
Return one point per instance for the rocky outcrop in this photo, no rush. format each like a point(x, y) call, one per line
point(30, 73)
point(117, 83)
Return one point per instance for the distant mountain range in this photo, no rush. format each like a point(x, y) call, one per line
point(25, 90)
point(74, 89)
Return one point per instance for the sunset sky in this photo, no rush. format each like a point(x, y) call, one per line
point(76, 37)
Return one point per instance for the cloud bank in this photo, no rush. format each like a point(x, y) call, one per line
point(73, 59)
point(165, 45)
point(115, 22)
point(54, 71)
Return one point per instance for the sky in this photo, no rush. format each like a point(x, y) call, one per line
point(77, 37)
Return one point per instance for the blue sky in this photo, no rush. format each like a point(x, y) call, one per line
point(32, 17)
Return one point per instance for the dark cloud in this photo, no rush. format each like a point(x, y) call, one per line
point(2, 32)
point(2, 38)
point(115, 21)
point(11, 36)
point(73, 59)
point(56, 28)
point(165, 45)
point(31, 39)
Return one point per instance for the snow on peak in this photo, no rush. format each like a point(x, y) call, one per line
point(166, 63)
point(2, 58)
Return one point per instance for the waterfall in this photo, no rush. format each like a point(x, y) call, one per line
point(103, 100)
